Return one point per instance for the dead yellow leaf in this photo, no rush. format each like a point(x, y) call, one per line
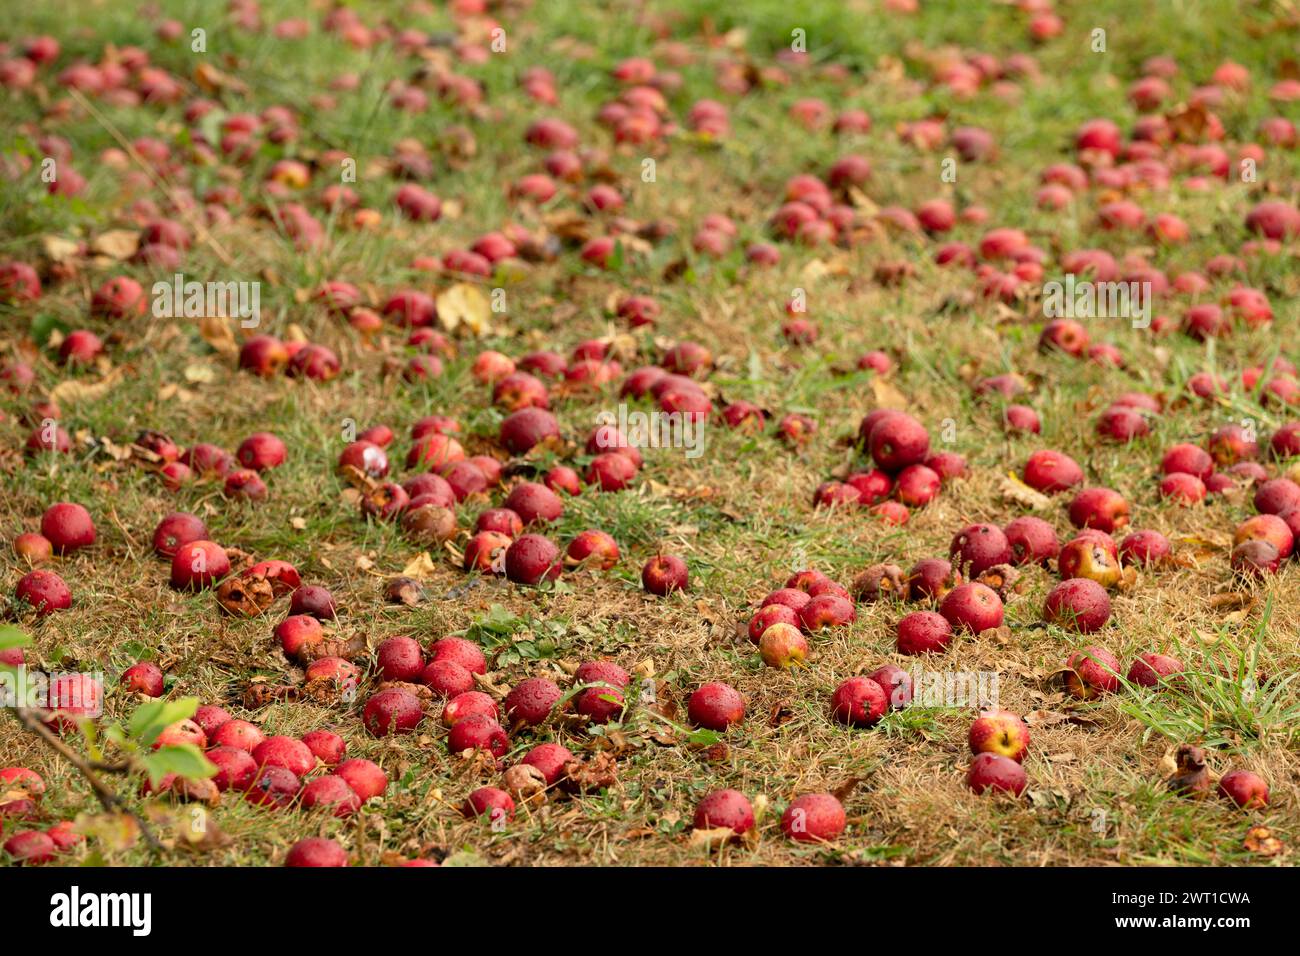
point(216, 331)
point(1016, 491)
point(119, 244)
point(420, 566)
point(58, 249)
point(72, 390)
point(464, 304)
point(710, 838)
point(886, 395)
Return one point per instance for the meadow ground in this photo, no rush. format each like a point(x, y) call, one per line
point(740, 513)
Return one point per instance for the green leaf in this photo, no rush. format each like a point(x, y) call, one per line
point(184, 760)
point(11, 637)
point(703, 738)
point(152, 718)
point(145, 716)
point(114, 734)
point(210, 125)
point(44, 325)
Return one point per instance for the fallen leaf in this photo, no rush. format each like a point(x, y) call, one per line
point(421, 566)
point(117, 831)
point(710, 838)
point(57, 249)
point(1230, 601)
point(118, 452)
point(119, 244)
point(1017, 492)
point(71, 390)
point(464, 304)
point(211, 80)
point(842, 792)
point(780, 713)
point(216, 331)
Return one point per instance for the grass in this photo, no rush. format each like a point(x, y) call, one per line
point(741, 513)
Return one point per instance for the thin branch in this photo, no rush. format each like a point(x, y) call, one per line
point(110, 801)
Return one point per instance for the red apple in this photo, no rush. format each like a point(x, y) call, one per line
point(1092, 672)
point(999, 732)
point(991, 771)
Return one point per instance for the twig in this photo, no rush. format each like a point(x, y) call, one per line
point(107, 798)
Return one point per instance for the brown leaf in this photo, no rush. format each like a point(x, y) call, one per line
point(711, 838)
point(196, 791)
point(72, 390)
point(1044, 718)
point(216, 331)
point(1230, 601)
point(585, 776)
point(196, 831)
point(842, 792)
point(1188, 122)
point(212, 80)
point(117, 452)
point(780, 713)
